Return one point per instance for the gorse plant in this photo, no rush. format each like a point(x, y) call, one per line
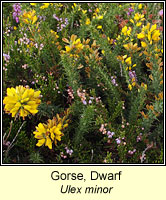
point(84, 82)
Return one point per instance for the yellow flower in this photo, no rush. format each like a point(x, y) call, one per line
point(68, 49)
point(21, 101)
point(146, 28)
point(149, 37)
point(143, 114)
point(139, 24)
point(103, 52)
point(131, 47)
point(33, 4)
point(100, 17)
point(155, 35)
point(143, 44)
point(140, 6)
point(45, 5)
point(132, 21)
point(126, 31)
point(130, 87)
point(84, 11)
point(29, 17)
point(99, 27)
point(42, 134)
point(138, 17)
point(141, 35)
point(51, 132)
point(153, 27)
point(97, 10)
point(133, 83)
point(74, 43)
point(144, 86)
point(54, 33)
point(48, 133)
point(15, 28)
point(87, 21)
point(128, 60)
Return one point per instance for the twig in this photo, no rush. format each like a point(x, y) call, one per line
point(143, 153)
point(11, 146)
point(8, 133)
point(92, 155)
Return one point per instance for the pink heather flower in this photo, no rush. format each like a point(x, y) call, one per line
point(161, 12)
point(69, 151)
point(90, 101)
point(118, 140)
point(123, 126)
point(110, 134)
point(55, 17)
point(101, 128)
point(130, 152)
point(17, 11)
point(84, 102)
point(131, 10)
point(132, 75)
point(6, 57)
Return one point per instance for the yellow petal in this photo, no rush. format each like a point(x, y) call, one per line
point(65, 40)
point(34, 19)
point(143, 44)
point(41, 128)
point(40, 142)
point(130, 87)
point(66, 125)
point(126, 46)
point(37, 93)
point(58, 137)
point(11, 91)
point(99, 27)
point(48, 143)
point(73, 38)
point(33, 4)
point(140, 35)
point(68, 49)
point(128, 60)
point(153, 27)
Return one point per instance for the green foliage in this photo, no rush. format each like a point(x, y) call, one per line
point(71, 73)
point(36, 158)
point(85, 123)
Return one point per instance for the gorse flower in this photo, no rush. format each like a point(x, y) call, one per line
point(46, 133)
point(51, 132)
point(33, 4)
point(131, 47)
point(128, 60)
point(29, 17)
point(21, 101)
point(138, 17)
point(126, 31)
point(45, 5)
point(150, 33)
point(74, 43)
point(87, 21)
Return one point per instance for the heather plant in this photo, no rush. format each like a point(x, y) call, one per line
point(84, 82)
